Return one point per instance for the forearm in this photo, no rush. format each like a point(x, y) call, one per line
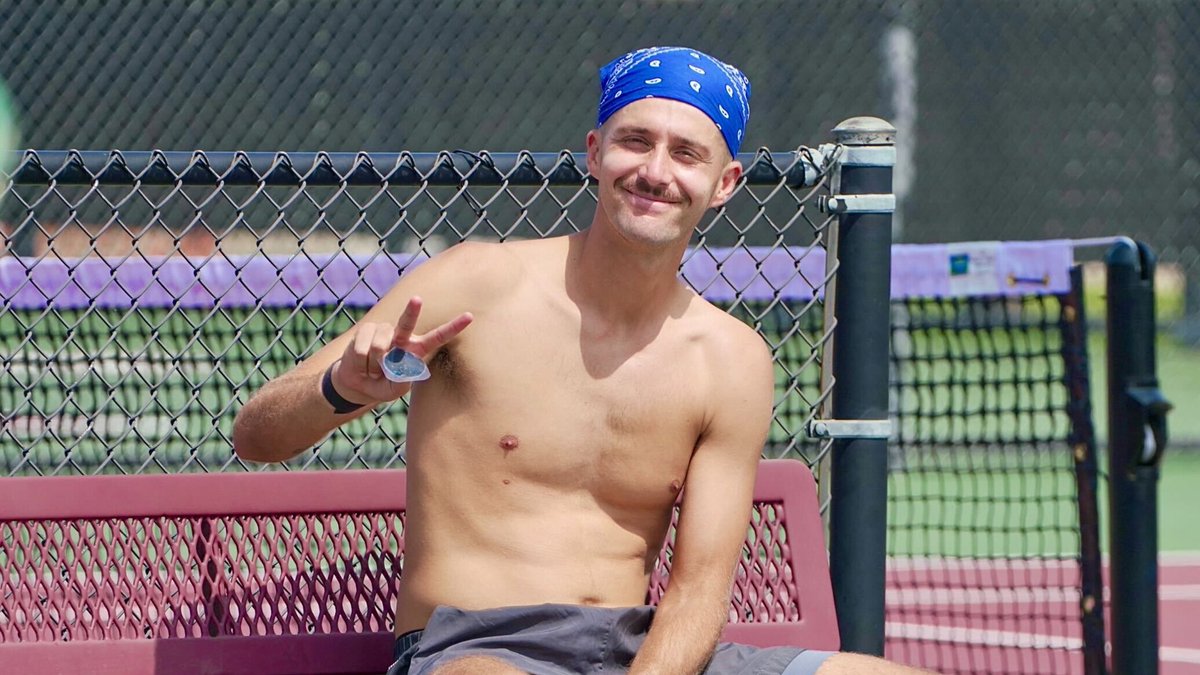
point(683, 635)
point(287, 416)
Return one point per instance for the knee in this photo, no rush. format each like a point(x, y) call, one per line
point(477, 665)
point(846, 663)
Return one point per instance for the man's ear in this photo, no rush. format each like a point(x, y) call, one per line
point(593, 151)
point(730, 176)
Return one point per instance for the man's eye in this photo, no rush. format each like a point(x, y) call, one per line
point(635, 141)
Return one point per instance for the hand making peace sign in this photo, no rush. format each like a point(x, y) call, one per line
point(358, 376)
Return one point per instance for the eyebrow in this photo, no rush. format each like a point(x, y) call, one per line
point(681, 140)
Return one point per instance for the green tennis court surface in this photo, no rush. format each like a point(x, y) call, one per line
point(974, 504)
point(1179, 502)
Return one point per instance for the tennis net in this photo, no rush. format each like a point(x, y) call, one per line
point(994, 562)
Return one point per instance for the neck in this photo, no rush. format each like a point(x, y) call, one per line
point(619, 283)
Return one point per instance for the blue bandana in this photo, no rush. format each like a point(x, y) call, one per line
point(717, 89)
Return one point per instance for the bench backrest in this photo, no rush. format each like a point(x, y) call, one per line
point(294, 572)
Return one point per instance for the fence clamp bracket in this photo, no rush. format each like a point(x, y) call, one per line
point(883, 203)
point(849, 429)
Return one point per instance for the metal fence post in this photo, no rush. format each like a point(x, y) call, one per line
point(1137, 436)
point(858, 495)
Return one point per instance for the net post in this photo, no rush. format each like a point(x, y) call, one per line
point(1137, 435)
point(1073, 324)
point(858, 495)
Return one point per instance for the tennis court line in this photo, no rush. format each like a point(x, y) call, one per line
point(107, 426)
point(77, 366)
point(925, 596)
point(1177, 558)
point(918, 563)
point(979, 637)
point(1179, 655)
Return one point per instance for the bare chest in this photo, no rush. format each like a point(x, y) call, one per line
point(537, 403)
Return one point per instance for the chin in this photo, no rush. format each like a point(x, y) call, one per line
point(650, 232)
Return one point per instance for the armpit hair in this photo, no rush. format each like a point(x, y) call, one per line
point(448, 368)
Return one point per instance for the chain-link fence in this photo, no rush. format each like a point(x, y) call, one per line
point(1018, 119)
point(164, 288)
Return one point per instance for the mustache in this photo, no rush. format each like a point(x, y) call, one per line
point(642, 188)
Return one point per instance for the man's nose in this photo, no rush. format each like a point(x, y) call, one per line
point(657, 168)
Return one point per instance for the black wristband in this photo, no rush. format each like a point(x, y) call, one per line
point(340, 405)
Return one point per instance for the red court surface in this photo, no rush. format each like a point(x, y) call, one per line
point(1021, 616)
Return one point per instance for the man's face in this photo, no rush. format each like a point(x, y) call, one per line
point(659, 164)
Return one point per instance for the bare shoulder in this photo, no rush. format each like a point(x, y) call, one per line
point(548, 252)
point(471, 267)
point(738, 386)
point(472, 263)
point(467, 277)
point(495, 266)
point(729, 343)
point(738, 374)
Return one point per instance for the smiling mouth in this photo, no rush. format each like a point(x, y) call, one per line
point(650, 198)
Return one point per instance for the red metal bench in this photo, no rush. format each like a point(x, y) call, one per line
point(294, 572)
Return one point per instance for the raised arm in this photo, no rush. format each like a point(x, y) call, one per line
point(290, 413)
point(714, 515)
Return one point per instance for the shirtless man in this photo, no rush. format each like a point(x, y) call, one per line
point(577, 386)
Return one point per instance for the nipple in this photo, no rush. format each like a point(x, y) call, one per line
point(676, 485)
point(508, 443)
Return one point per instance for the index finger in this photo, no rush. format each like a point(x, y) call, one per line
point(408, 321)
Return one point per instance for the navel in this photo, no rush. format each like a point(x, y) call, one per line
point(508, 443)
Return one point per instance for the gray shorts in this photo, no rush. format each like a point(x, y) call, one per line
point(569, 639)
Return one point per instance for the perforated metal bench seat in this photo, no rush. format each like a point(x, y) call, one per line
point(294, 572)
